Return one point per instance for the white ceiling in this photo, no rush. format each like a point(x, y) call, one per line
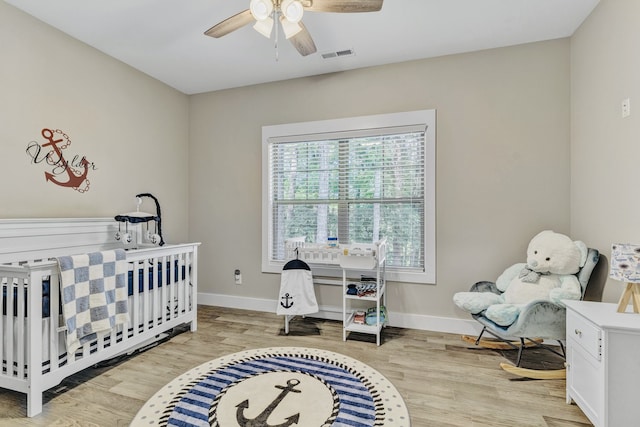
point(164, 38)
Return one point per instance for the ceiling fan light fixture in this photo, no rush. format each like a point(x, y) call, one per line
point(289, 28)
point(261, 9)
point(292, 10)
point(264, 26)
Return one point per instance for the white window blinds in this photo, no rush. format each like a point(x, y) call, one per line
point(358, 185)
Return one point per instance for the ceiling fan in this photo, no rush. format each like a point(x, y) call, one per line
point(263, 13)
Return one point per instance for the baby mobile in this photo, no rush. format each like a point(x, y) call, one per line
point(65, 173)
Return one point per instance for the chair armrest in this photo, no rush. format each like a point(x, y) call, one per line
point(485, 287)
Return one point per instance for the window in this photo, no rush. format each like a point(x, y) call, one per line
point(357, 179)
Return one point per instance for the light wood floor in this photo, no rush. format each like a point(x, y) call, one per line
point(443, 381)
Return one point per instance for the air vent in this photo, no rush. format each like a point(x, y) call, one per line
point(338, 54)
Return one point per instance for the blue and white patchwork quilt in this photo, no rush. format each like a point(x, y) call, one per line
point(94, 295)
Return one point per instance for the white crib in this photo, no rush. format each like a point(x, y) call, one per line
point(162, 295)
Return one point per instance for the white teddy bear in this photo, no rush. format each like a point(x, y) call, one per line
point(549, 274)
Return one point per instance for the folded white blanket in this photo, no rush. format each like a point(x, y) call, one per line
point(94, 295)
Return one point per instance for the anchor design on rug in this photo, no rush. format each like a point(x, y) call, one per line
point(286, 298)
point(74, 180)
point(261, 419)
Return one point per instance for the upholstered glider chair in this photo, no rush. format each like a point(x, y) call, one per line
point(538, 321)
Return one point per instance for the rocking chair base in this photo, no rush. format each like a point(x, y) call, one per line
point(494, 344)
point(537, 374)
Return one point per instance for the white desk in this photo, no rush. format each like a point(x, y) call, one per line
point(603, 363)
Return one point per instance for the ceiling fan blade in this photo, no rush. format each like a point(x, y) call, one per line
point(343, 6)
point(223, 28)
point(303, 42)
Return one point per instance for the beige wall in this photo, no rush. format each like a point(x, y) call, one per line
point(605, 69)
point(502, 150)
point(502, 163)
point(134, 128)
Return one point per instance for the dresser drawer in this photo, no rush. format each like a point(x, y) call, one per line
point(584, 333)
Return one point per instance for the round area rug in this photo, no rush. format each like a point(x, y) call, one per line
point(277, 387)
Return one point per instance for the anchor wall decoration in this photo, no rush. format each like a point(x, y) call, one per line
point(76, 169)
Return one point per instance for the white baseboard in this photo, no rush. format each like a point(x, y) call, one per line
point(401, 320)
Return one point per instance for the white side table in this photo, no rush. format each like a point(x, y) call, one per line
point(603, 363)
point(376, 260)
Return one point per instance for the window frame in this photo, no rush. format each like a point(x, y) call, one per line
point(355, 124)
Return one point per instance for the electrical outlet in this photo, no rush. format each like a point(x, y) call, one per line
point(626, 107)
point(238, 277)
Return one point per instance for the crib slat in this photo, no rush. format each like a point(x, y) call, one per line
point(154, 294)
point(86, 351)
point(178, 302)
point(20, 321)
point(10, 333)
point(145, 296)
point(100, 343)
point(54, 322)
point(176, 296)
point(192, 286)
point(173, 282)
point(135, 310)
point(3, 303)
point(186, 289)
point(160, 292)
point(184, 280)
point(175, 279)
point(166, 274)
point(173, 262)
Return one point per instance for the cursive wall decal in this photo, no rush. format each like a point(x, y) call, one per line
point(65, 173)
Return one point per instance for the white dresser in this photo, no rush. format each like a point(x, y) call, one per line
point(603, 363)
